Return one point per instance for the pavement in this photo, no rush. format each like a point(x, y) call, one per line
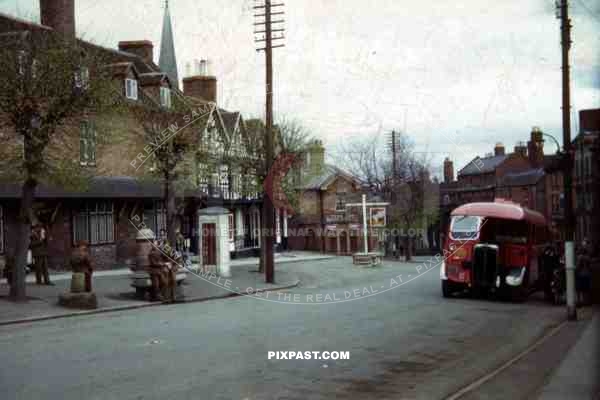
point(578, 376)
point(114, 293)
point(404, 339)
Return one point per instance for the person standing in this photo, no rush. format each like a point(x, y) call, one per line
point(39, 251)
point(155, 270)
point(583, 274)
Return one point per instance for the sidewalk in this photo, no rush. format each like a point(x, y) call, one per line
point(280, 258)
point(115, 293)
point(578, 376)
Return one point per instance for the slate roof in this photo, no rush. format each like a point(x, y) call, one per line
point(152, 78)
point(121, 68)
point(526, 178)
point(328, 174)
point(482, 165)
point(230, 120)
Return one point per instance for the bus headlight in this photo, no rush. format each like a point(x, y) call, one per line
point(515, 276)
point(443, 275)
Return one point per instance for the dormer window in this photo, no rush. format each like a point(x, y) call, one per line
point(21, 60)
point(131, 89)
point(87, 144)
point(82, 78)
point(165, 97)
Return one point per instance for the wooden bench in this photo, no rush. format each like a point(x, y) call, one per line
point(140, 280)
point(370, 259)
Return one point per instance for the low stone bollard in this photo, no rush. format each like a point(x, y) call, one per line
point(78, 298)
point(78, 282)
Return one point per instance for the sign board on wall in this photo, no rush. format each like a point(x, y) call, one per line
point(377, 217)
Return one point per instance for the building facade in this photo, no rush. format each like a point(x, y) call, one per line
point(526, 176)
point(120, 190)
point(328, 217)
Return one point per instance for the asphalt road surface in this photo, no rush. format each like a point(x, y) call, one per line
point(404, 340)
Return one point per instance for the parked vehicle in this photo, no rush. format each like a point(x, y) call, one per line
point(494, 247)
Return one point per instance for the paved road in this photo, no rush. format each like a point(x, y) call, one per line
point(406, 342)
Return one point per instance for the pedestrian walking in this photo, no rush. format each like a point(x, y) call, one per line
point(550, 261)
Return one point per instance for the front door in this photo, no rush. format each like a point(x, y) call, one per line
point(354, 242)
point(209, 244)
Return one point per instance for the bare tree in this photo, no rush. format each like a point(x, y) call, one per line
point(170, 134)
point(46, 80)
point(394, 170)
point(291, 138)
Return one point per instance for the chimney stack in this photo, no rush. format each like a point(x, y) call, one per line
point(316, 158)
point(448, 170)
point(535, 147)
point(521, 148)
point(499, 149)
point(201, 84)
point(142, 48)
point(59, 15)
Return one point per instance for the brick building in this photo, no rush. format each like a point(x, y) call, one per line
point(587, 176)
point(324, 221)
point(526, 176)
point(102, 212)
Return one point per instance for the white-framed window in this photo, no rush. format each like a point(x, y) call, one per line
point(224, 181)
point(87, 143)
point(231, 227)
point(165, 97)
point(35, 68)
point(94, 223)
point(82, 78)
point(21, 61)
point(340, 202)
point(131, 89)
point(1, 230)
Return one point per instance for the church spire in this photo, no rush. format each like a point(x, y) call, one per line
point(167, 60)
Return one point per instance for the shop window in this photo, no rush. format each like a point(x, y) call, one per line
point(155, 218)
point(94, 223)
point(87, 143)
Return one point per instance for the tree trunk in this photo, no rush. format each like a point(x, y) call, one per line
point(408, 249)
point(171, 210)
point(18, 288)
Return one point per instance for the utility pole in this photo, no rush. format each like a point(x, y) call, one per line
point(394, 184)
point(565, 29)
point(266, 21)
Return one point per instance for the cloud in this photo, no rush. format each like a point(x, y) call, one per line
point(486, 69)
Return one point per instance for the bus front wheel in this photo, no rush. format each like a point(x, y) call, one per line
point(447, 288)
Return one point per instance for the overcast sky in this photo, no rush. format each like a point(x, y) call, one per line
point(457, 76)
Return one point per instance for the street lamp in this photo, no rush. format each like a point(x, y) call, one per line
point(558, 148)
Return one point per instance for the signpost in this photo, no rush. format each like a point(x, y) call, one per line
point(364, 205)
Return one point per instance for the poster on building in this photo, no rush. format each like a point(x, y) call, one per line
point(377, 217)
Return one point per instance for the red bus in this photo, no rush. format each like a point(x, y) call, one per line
point(494, 247)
